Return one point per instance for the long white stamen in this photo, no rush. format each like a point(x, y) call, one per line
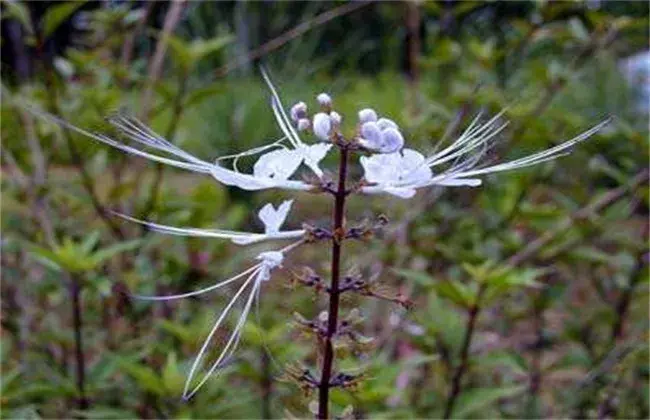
point(199, 166)
point(239, 238)
point(280, 110)
point(200, 291)
point(231, 345)
point(546, 155)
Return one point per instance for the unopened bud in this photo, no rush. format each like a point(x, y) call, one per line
point(392, 141)
point(385, 123)
point(298, 111)
point(303, 124)
point(336, 118)
point(322, 126)
point(367, 115)
point(324, 100)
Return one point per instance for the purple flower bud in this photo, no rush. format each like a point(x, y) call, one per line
point(298, 111)
point(372, 137)
point(385, 123)
point(336, 118)
point(324, 99)
point(322, 126)
point(392, 141)
point(367, 115)
point(303, 124)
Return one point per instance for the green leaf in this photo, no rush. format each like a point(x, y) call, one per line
point(457, 292)
point(45, 256)
point(56, 15)
point(143, 375)
point(201, 49)
point(106, 253)
point(477, 399)
point(418, 277)
point(90, 242)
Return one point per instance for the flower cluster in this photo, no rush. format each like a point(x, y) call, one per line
point(388, 168)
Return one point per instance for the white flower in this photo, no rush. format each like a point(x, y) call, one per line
point(272, 219)
point(324, 100)
point(367, 115)
point(322, 126)
point(396, 173)
point(254, 277)
point(384, 137)
point(298, 111)
point(400, 174)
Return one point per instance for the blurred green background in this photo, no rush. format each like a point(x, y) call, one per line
point(531, 291)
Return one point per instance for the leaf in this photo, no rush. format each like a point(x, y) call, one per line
point(106, 253)
point(144, 376)
point(90, 242)
point(46, 257)
point(455, 291)
point(56, 15)
point(201, 49)
point(476, 399)
point(418, 277)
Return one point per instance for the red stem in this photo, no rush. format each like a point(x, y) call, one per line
point(332, 322)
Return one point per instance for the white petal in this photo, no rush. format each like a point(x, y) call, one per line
point(381, 168)
point(252, 183)
point(322, 126)
point(272, 218)
point(313, 154)
point(278, 164)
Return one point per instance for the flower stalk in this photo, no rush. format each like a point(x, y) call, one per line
point(332, 321)
point(77, 320)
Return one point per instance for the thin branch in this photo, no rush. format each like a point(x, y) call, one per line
point(456, 385)
point(172, 19)
point(289, 35)
point(563, 226)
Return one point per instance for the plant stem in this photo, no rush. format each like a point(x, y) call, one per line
point(267, 385)
point(464, 353)
point(332, 322)
point(75, 293)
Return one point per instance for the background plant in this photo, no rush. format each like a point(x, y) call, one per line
point(571, 342)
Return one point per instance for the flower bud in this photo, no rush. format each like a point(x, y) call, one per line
point(385, 123)
point(392, 141)
point(303, 124)
point(336, 118)
point(322, 126)
point(372, 137)
point(367, 115)
point(324, 100)
point(298, 111)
